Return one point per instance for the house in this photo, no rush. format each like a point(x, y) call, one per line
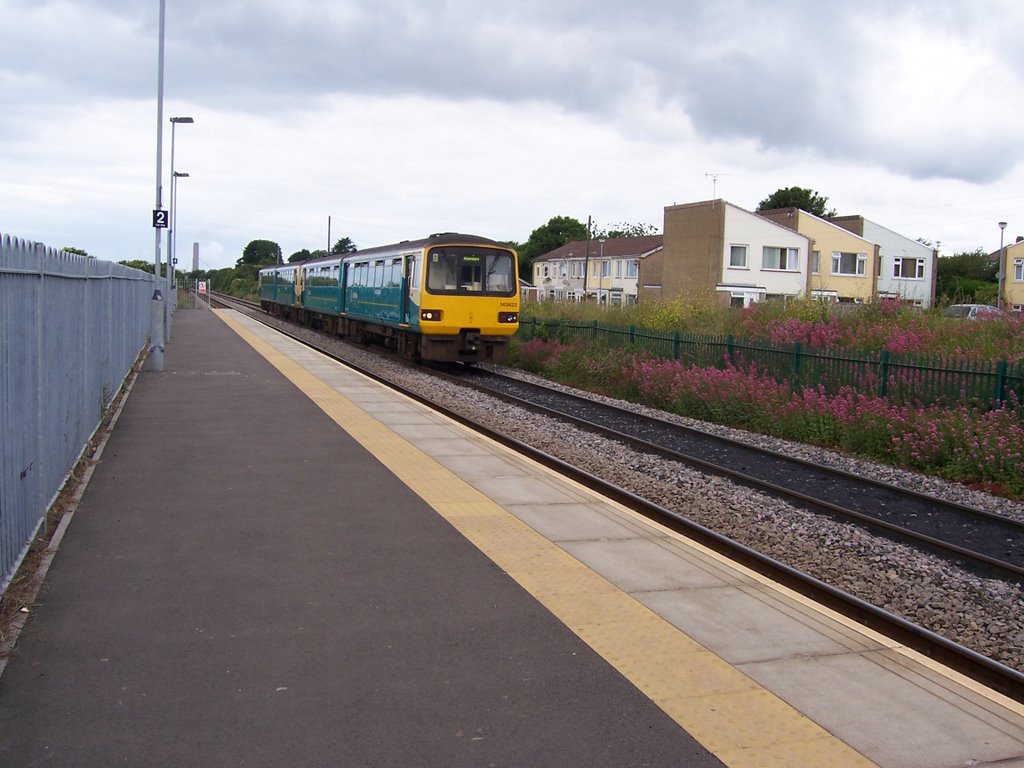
point(908, 270)
point(715, 246)
point(601, 269)
point(1013, 277)
point(843, 265)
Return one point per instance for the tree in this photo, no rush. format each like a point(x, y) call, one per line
point(624, 230)
point(145, 266)
point(259, 253)
point(71, 249)
point(968, 277)
point(344, 245)
point(557, 232)
point(300, 256)
point(797, 197)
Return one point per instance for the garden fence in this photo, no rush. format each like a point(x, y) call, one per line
point(903, 379)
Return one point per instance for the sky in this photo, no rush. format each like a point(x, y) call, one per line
point(386, 120)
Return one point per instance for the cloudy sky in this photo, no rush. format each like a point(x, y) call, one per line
point(398, 118)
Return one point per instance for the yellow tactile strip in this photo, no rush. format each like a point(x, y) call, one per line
point(743, 724)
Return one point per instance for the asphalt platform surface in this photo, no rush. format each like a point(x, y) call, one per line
point(244, 585)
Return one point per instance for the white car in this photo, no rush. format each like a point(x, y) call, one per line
point(971, 311)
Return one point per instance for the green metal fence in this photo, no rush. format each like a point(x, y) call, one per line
point(904, 379)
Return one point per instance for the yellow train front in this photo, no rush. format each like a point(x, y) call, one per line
point(468, 299)
point(448, 297)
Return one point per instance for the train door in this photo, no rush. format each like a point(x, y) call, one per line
point(403, 310)
point(300, 282)
point(343, 287)
point(411, 287)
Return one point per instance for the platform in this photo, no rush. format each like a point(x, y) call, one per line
point(279, 562)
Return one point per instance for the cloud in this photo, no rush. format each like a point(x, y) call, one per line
point(399, 115)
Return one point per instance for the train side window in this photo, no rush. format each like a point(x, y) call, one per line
point(415, 269)
point(394, 274)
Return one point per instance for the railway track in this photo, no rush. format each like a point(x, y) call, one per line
point(969, 662)
point(990, 544)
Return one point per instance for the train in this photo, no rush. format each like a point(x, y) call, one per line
point(449, 297)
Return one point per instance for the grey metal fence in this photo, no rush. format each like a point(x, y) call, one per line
point(71, 328)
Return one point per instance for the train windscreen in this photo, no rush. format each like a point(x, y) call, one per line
point(467, 270)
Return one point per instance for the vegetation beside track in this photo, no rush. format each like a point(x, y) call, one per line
point(980, 446)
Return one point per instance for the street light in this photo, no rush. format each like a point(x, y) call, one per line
point(168, 311)
point(156, 315)
point(1002, 265)
point(600, 284)
point(172, 254)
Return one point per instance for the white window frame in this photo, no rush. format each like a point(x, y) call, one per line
point(897, 268)
point(785, 256)
point(632, 269)
point(738, 249)
point(1018, 270)
point(860, 265)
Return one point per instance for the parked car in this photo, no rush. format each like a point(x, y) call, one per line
point(971, 311)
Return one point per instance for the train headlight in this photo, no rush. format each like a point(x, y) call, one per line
point(508, 317)
point(432, 315)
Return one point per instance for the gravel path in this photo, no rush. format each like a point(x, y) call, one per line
point(982, 614)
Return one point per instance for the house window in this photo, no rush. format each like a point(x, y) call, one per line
point(908, 269)
point(631, 268)
point(606, 269)
point(849, 263)
point(815, 262)
point(1018, 269)
point(738, 256)
point(773, 257)
point(618, 270)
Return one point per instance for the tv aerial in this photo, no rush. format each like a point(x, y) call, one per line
point(714, 182)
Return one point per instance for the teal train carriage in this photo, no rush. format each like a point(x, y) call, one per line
point(448, 297)
point(277, 286)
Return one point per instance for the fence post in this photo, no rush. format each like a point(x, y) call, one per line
point(632, 334)
point(676, 345)
point(796, 363)
point(729, 349)
point(883, 373)
point(1000, 382)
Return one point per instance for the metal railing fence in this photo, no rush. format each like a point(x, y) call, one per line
point(71, 328)
point(903, 379)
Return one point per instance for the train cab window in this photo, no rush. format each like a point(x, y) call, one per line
point(467, 270)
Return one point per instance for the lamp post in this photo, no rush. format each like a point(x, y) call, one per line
point(172, 254)
point(168, 309)
point(156, 315)
point(1002, 265)
point(600, 285)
